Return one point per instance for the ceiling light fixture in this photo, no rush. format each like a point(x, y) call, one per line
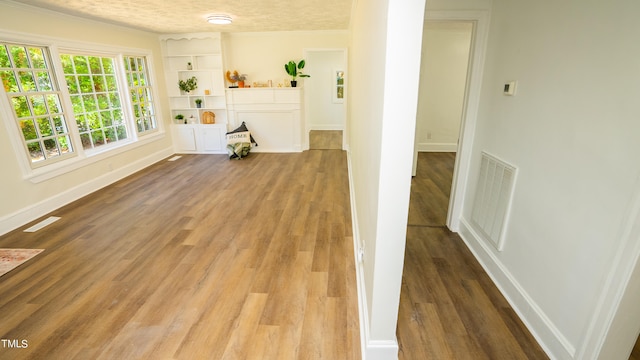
point(219, 19)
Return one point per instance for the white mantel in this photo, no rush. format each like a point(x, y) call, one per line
point(275, 117)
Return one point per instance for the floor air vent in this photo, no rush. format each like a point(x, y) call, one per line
point(493, 199)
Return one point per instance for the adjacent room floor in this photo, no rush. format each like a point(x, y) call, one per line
point(449, 308)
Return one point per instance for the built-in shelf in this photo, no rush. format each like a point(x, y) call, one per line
point(196, 55)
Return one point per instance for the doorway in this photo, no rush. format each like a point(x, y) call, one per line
point(443, 80)
point(479, 35)
point(446, 47)
point(324, 96)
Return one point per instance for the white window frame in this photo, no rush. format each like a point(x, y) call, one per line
point(124, 103)
point(335, 85)
point(154, 100)
point(57, 90)
point(82, 157)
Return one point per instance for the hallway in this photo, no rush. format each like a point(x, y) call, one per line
point(449, 307)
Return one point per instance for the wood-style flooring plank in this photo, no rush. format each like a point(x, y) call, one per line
point(325, 139)
point(449, 307)
point(200, 258)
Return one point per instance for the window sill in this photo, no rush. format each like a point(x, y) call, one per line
point(63, 167)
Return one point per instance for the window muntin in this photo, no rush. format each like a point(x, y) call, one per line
point(137, 74)
point(33, 92)
point(39, 143)
point(95, 98)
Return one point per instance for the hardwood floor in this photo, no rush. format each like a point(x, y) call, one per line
point(325, 139)
point(201, 258)
point(635, 353)
point(449, 308)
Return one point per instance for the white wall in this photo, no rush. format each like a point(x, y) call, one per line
point(23, 200)
point(322, 112)
point(386, 36)
point(443, 77)
point(573, 132)
point(458, 5)
point(262, 55)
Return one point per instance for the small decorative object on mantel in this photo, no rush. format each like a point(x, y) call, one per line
point(188, 85)
point(294, 70)
point(259, 84)
point(180, 119)
point(234, 78)
point(208, 117)
point(198, 103)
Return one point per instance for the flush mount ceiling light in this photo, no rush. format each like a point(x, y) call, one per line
point(219, 19)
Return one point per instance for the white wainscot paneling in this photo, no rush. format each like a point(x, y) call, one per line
point(274, 117)
point(273, 131)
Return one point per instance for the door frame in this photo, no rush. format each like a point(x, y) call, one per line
point(480, 20)
point(306, 128)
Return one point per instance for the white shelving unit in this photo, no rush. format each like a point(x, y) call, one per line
point(196, 55)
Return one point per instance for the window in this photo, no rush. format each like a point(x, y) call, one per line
point(33, 92)
point(73, 100)
point(141, 93)
point(338, 92)
point(95, 98)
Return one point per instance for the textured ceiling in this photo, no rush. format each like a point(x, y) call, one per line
point(181, 16)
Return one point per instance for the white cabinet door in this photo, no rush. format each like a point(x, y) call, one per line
point(185, 138)
point(212, 139)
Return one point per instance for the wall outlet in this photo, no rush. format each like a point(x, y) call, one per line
point(428, 135)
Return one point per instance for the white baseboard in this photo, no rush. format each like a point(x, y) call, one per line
point(370, 349)
point(437, 147)
point(35, 211)
point(327, 127)
point(541, 327)
point(381, 350)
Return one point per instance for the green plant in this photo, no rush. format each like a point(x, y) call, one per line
point(189, 84)
point(179, 117)
point(294, 70)
point(198, 101)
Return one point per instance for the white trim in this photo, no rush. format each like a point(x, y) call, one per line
point(381, 350)
point(541, 327)
point(370, 349)
point(602, 334)
point(61, 168)
point(357, 245)
point(37, 210)
point(437, 147)
point(326, 127)
point(472, 101)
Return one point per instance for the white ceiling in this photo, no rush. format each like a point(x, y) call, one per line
point(182, 16)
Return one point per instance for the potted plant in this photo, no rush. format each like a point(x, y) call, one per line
point(188, 85)
point(198, 103)
point(180, 119)
point(294, 70)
